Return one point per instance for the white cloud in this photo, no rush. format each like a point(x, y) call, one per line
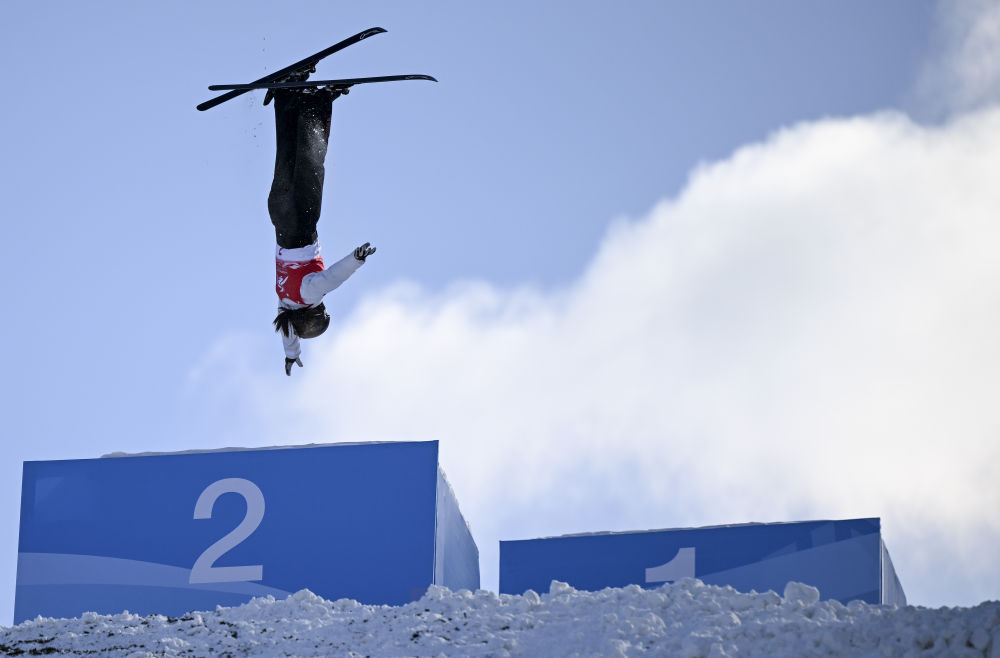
point(807, 331)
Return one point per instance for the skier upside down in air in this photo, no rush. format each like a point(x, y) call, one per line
point(302, 125)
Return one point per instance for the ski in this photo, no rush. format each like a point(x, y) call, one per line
point(335, 84)
point(306, 63)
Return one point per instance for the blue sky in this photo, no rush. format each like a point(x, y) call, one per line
point(715, 241)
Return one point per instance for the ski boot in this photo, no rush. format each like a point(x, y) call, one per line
point(297, 76)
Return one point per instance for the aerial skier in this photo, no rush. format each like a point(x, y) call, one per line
point(302, 114)
point(302, 120)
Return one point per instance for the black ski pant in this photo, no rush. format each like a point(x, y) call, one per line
point(302, 126)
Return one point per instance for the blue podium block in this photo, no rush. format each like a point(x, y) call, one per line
point(177, 532)
point(845, 560)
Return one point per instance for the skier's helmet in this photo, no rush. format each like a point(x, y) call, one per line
point(312, 321)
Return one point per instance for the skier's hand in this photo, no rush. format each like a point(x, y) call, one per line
point(288, 364)
point(364, 251)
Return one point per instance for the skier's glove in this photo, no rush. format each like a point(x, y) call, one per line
point(288, 364)
point(364, 251)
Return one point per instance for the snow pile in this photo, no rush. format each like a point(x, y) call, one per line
point(686, 619)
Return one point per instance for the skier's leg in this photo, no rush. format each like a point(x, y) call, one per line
point(280, 204)
point(310, 155)
point(302, 126)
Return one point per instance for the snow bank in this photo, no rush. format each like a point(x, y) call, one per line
point(686, 619)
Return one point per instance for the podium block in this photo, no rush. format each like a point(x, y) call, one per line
point(845, 560)
point(171, 533)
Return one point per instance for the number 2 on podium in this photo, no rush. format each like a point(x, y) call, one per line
point(203, 570)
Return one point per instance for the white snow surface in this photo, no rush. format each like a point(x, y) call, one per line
point(686, 619)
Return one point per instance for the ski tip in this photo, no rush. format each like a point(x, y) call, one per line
point(373, 31)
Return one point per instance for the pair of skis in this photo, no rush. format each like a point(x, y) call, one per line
point(278, 79)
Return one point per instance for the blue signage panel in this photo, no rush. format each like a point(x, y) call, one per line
point(845, 560)
point(177, 532)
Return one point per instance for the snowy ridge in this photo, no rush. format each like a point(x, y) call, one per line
point(686, 619)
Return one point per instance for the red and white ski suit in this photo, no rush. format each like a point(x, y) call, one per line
point(301, 280)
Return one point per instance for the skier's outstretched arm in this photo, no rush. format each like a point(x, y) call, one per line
point(317, 284)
